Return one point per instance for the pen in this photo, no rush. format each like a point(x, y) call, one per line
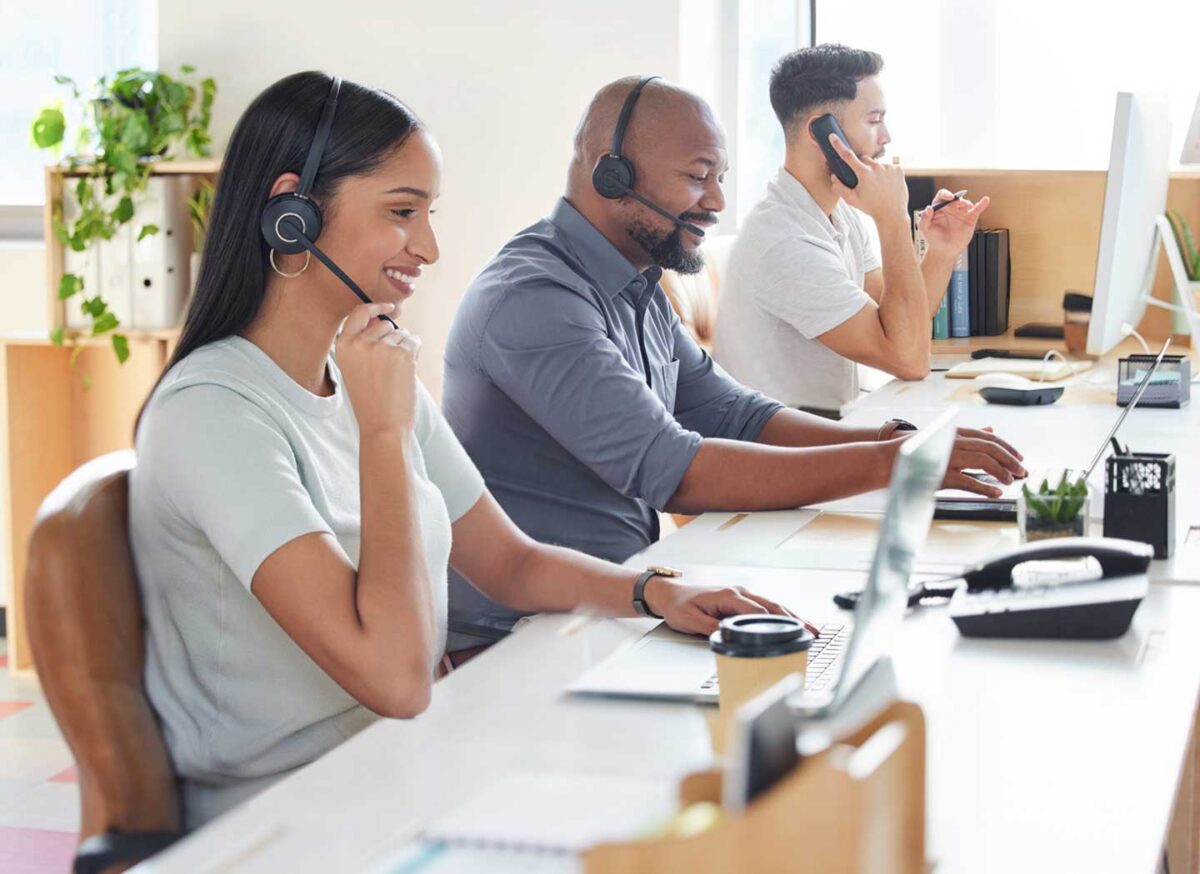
point(958, 195)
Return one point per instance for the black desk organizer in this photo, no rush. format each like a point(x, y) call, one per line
point(1139, 499)
point(1171, 388)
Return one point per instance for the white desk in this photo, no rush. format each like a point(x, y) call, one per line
point(1043, 756)
point(1066, 434)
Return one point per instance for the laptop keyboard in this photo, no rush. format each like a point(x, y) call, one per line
point(824, 659)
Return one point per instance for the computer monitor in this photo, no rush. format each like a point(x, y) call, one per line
point(1134, 197)
point(1191, 143)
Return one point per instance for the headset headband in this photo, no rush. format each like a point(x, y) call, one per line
point(309, 174)
point(626, 111)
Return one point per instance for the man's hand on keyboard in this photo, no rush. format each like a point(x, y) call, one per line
point(699, 609)
point(982, 450)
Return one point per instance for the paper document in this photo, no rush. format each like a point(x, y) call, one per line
point(556, 812)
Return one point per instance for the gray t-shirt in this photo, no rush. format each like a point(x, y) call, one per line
point(794, 273)
point(234, 460)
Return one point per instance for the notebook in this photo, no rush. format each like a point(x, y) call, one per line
point(1050, 371)
point(556, 812)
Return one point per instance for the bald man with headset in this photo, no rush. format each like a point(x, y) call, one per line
point(583, 400)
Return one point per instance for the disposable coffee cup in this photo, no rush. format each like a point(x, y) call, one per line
point(754, 652)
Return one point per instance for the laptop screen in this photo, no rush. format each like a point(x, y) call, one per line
point(918, 473)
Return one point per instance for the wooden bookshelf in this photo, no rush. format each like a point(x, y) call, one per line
point(54, 416)
point(57, 413)
point(1054, 217)
point(56, 176)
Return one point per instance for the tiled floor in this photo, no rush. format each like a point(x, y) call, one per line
point(39, 794)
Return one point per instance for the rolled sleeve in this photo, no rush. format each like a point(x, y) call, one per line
point(711, 402)
point(548, 349)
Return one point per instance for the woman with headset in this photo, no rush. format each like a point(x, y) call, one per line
point(298, 494)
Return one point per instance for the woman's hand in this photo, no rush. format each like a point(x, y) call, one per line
point(379, 365)
point(699, 609)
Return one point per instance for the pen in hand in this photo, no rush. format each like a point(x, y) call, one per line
point(942, 204)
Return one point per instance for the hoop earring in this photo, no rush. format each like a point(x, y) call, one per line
point(275, 267)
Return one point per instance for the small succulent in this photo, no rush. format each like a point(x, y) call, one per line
point(1060, 504)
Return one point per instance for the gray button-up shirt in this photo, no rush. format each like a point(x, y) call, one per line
point(579, 436)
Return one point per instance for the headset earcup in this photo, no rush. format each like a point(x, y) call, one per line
point(613, 176)
point(300, 208)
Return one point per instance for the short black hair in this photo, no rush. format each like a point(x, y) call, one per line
point(828, 73)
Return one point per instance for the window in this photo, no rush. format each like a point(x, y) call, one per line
point(1019, 83)
point(727, 50)
point(77, 39)
point(969, 83)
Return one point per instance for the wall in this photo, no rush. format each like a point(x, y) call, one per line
point(501, 84)
point(23, 268)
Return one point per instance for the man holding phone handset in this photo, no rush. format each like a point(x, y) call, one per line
point(806, 296)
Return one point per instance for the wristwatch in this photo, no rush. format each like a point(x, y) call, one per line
point(639, 588)
point(889, 428)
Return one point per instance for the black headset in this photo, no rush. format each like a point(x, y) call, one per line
point(291, 222)
point(613, 176)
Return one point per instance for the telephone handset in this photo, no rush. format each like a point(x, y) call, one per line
point(993, 605)
point(1117, 558)
point(821, 128)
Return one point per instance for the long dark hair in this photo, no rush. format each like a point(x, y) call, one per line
point(271, 138)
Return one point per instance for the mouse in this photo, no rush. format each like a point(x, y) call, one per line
point(1013, 390)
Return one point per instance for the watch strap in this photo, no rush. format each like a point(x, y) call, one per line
point(639, 594)
point(891, 427)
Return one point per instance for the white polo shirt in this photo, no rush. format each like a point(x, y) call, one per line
point(794, 273)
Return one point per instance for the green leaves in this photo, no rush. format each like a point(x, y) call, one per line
point(120, 344)
point(1060, 504)
point(94, 307)
point(124, 210)
point(106, 321)
point(69, 286)
point(127, 120)
point(49, 128)
point(1187, 243)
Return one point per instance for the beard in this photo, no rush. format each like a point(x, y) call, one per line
point(665, 248)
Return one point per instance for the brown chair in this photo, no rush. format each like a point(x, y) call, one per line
point(695, 298)
point(85, 628)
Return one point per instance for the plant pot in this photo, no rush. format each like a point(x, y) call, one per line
point(1034, 527)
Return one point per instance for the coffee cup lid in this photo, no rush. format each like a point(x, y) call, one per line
point(760, 634)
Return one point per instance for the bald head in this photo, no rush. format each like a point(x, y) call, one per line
point(662, 110)
point(677, 151)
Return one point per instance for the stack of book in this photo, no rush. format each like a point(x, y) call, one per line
point(976, 301)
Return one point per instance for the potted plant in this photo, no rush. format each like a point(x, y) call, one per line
point(1191, 263)
point(199, 207)
point(128, 121)
point(1054, 511)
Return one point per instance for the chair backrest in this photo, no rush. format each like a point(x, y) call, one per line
point(84, 614)
point(695, 298)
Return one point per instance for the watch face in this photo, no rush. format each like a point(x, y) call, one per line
point(661, 571)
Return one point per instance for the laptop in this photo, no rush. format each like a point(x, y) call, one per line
point(666, 665)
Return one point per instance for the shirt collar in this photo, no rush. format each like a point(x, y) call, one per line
point(797, 195)
point(602, 263)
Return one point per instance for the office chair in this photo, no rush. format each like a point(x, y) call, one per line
point(695, 298)
point(84, 618)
